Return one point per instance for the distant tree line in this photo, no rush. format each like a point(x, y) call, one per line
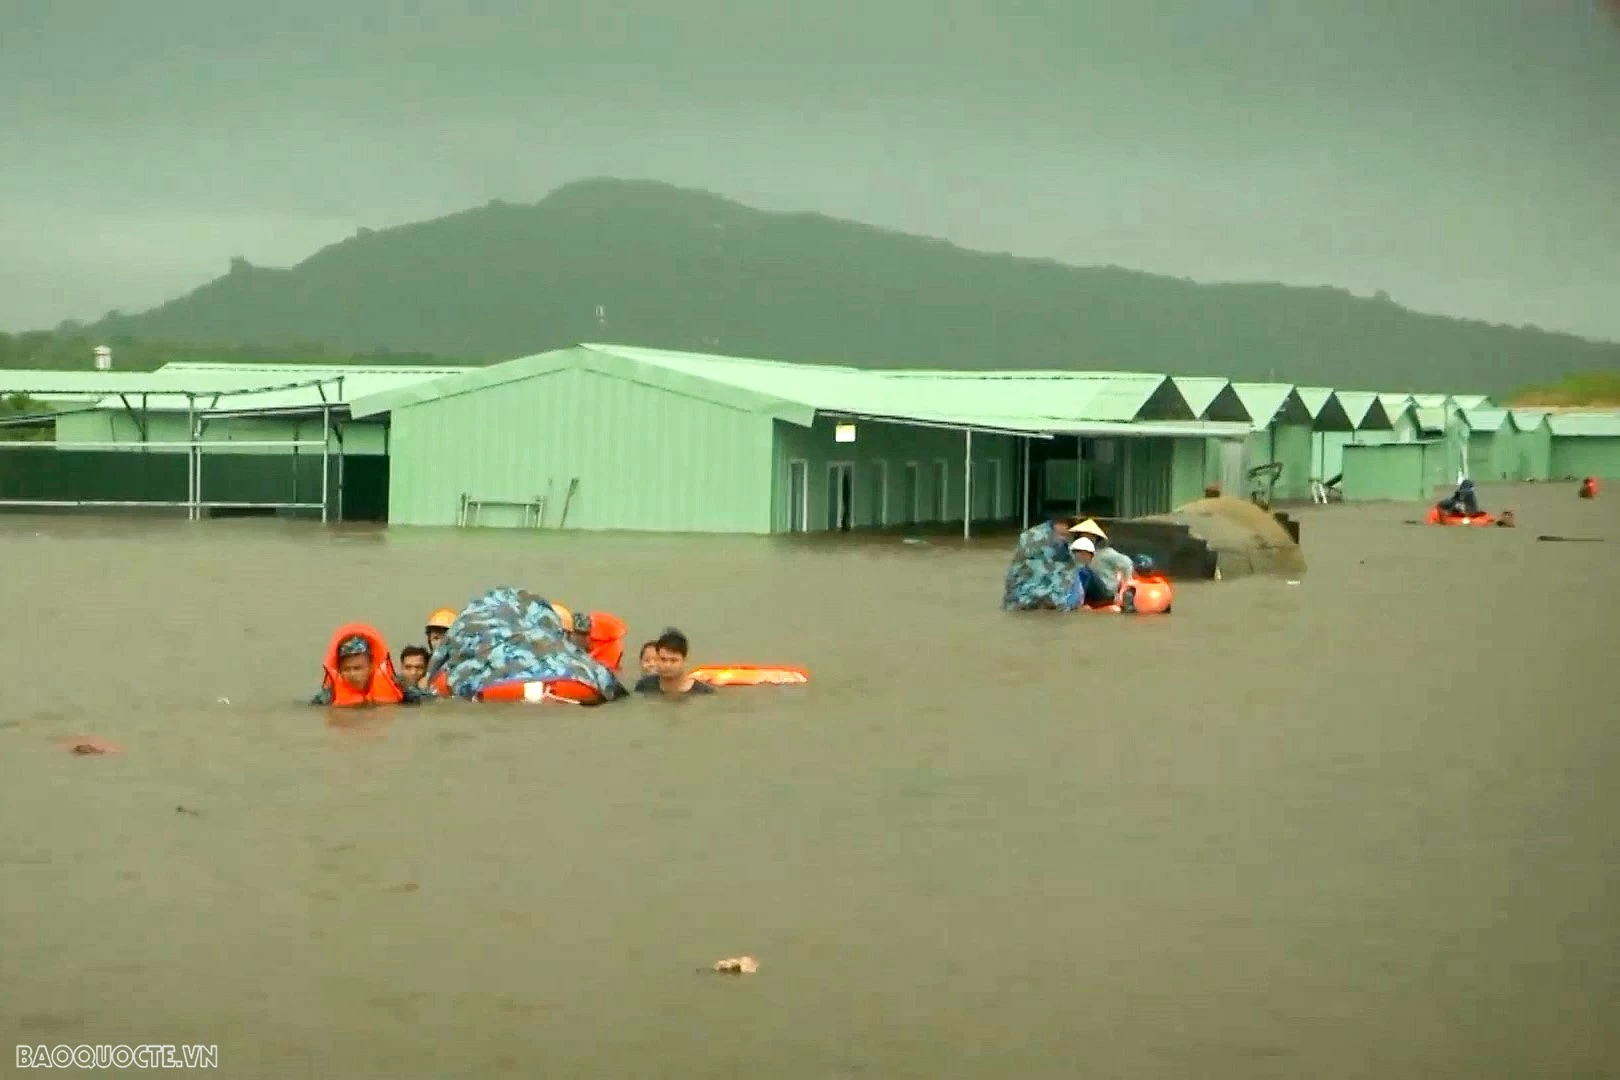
point(72, 348)
point(1581, 388)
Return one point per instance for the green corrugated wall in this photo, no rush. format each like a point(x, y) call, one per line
point(118, 426)
point(1533, 453)
point(1575, 456)
point(902, 475)
point(1492, 455)
point(1291, 445)
point(1190, 468)
point(646, 458)
point(1404, 472)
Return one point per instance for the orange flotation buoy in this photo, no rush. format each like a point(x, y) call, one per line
point(1436, 516)
point(750, 675)
point(1149, 594)
point(1589, 488)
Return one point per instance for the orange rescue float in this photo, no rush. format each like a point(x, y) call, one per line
point(384, 687)
point(1151, 594)
point(530, 691)
point(1437, 516)
point(750, 675)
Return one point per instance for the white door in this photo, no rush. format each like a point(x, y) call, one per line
point(1234, 468)
point(840, 496)
point(909, 510)
point(798, 496)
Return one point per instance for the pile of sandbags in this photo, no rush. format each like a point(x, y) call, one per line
point(1245, 538)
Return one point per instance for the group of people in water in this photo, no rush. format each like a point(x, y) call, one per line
point(1065, 564)
point(359, 669)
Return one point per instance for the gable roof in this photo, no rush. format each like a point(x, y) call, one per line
point(1483, 420)
point(1364, 411)
point(1272, 403)
point(1327, 412)
point(1211, 397)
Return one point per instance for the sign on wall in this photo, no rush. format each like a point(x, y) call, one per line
point(844, 433)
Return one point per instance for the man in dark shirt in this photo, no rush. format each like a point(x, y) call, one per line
point(671, 650)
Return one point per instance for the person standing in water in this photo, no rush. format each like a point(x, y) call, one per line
point(671, 678)
point(1042, 574)
point(1111, 569)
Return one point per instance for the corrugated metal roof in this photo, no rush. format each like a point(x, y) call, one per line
point(1430, 417)
point(1363, 409)
point(1528, 419)
point(1212, 398)
point(1585, 424)
point(1430, 401)
point(1472, 401)
point(1395, 403)
point(1120, 396)
point(1327, 412)
point(1269, 403)
point(284, 386)
point(92, 385)
point(1014, 401)
point(1484, 419)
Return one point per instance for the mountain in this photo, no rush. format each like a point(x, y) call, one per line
point(645, 263)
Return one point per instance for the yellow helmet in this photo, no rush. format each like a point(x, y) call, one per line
point(442, 619)
point(564, 615)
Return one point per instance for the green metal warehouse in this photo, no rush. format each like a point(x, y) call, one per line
point(1583, 444)
point(615, 437)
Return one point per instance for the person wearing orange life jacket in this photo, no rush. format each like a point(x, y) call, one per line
point(358, 670)
point(599, 634)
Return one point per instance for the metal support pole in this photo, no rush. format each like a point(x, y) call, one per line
point(1029, 445)
point(338, 431)
point(967, 487)
point(192, 513)
point(326, 457)
point(196, 469)
point(1079, 472)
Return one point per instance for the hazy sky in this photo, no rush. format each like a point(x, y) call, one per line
point(1463, 155)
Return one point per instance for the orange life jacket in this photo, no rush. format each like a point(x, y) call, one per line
point(606, 640)
point(384, 688)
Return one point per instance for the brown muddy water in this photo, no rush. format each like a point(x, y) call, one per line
point(1361, 826)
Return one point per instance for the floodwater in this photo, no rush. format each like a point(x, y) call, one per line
point(1358, 826)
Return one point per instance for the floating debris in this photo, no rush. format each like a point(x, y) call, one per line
point(87, 745)
point(736, 965)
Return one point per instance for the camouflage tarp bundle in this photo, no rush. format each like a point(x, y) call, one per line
point(509, 634)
